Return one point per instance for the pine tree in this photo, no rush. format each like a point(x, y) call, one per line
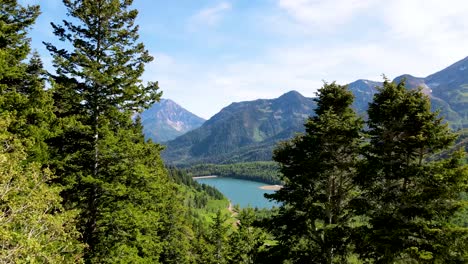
point(411, 198)
point(33, 225)
point(22, 84)
point(318, 169)
point(246, 241)
point(115, 178)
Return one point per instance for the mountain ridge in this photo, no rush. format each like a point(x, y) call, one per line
point(248, 131)
point(242, 127)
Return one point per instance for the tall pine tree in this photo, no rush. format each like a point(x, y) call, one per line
point(318, 169)
point(411, 198)
point(115, 178)
point(22, 83)
point(33, 225)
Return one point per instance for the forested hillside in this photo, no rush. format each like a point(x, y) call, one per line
point(262, 171)
point(248, 131)
point(80, 184)
point(245, 131)
point(78, 181)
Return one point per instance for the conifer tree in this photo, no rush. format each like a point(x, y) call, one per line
point(115, 178)
point(245, 242)
point(410, 198)
point(33, 225)
point(318, 168)
point(22, 90)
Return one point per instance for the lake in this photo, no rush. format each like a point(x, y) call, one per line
point(243, 192)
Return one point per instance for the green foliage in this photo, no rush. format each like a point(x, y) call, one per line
point(33, 225)
point(21, 84)
point(182, 177)
point(242, 132)
point(129, 210)
point(409, 199)
point(248, 240)
point(34, 228)
point(318, 168)
point(262, 171)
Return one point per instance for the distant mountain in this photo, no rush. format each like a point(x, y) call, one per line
point(448, 91)
point(245, 131)
point(363, 91)
point(248, 131)
point(167, 120)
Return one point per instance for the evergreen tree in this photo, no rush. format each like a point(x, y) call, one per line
point(246, 241)
point(22, 84)
point(410, 199)
point(316, 214)
point(115, 178)
point(218, 237)
point(33, 225)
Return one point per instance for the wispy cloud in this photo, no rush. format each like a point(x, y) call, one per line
point(437, 28)
point(324, 14)
point(261, 49)
point(209, 16)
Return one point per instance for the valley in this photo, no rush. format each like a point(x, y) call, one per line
point(238, 142)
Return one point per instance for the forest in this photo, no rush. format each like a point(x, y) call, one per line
point(80, 184)
point(261, 171)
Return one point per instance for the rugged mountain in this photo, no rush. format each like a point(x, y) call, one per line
point(167, 120)
point(448, 91)
point(248, 131)
point(244, 131)
point(450, 88)
point(363, 91)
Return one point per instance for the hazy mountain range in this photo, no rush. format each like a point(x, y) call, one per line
point(245, 131)
point(248, 131)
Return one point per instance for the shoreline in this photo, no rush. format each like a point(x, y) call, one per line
point(205, 177)
point(271, 187)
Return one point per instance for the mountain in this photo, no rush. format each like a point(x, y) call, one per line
point(244, 131)
point(363, 91)
point(448, 91)
point(167, 120)
point(248, 131)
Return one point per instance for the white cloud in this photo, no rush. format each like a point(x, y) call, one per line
point(209, 16)
point(436, 28)
point(417, 37)
point(324, 14)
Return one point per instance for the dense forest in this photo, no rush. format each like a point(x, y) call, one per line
point(262, 171)
point(80, 184)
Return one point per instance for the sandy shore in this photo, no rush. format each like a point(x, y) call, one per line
point(205, 177)
point(271, 187)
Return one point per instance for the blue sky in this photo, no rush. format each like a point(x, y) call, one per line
point(209, 53)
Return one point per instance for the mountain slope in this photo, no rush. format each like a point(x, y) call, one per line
point(363, 91)
point(248, 131)
point(448, 91)
point(450, 85)
point(167, 120)
point(242, 131)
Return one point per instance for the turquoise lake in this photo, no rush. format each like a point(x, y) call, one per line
point(243, 192)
